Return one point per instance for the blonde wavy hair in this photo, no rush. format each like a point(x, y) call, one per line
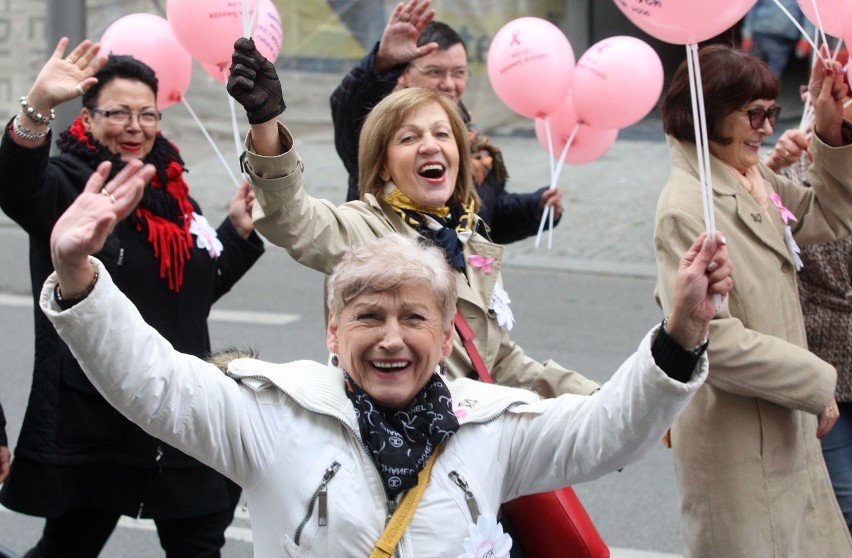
point(386, 118)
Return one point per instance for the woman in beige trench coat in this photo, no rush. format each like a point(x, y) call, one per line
point(750, 472)
point(415, 179)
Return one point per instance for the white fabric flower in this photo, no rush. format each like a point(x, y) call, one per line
point(793, 248)
point(206, 235)
point(500, 306)
point(487, 539)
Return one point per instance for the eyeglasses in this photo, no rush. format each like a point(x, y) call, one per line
point(436, 73)
point(121, 117)
point(756, 117)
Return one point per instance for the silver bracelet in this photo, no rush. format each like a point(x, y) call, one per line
point(26, 133)
point(36, 117)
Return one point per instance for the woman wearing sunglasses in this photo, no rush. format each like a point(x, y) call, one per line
point(747, 456)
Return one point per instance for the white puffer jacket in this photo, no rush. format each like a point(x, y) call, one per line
point(288, 434)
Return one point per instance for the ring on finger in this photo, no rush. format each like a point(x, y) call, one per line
point(71, 60)
point(107, 193)
point(403, 19)
point(80, 90)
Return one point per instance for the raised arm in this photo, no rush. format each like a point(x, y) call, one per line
point(61, 79)
point(85, 225)
point(254, 84)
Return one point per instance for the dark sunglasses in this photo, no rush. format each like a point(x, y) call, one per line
point(756, 117)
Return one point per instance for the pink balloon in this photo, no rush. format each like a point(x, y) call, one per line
point(588, 143)
point(268, 32)
point(149, 38)
point(684, 21)
point(208, 28)
point(267, 37)
point(830, 14)
point(617, 82)
point(215, 71)
point(847, 22)
point(530, 65)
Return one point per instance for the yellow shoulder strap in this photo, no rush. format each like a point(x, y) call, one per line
point(400, 519)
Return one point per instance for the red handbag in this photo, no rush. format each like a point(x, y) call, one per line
point(549, 524)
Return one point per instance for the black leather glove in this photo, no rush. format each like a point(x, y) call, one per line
point(254, 83)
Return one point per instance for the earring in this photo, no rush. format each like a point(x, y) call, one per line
point(441, 368)
point(334, 360)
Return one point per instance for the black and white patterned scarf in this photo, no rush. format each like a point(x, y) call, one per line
point(402, 441)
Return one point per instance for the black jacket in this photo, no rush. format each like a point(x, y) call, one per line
point(510, 217)
point(66, 421)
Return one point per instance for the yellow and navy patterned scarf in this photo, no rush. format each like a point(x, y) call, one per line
point(449, 228)
point(403, 441)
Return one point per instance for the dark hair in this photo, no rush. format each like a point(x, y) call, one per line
point(441, 33)
point(730, 78)
point(120, 66)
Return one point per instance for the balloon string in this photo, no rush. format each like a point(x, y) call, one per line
point(254, 17)
point(802, 30)
point(246, 28)
point(819, 26)
point(210, 140)
point(548, 213)
point(551, 165)
point(839, 45)
point(234, 126)
point(701, 144)
point(549, 146)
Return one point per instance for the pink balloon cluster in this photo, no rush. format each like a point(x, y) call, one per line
point(615, 84)
point(208, 29)
point(204, 29)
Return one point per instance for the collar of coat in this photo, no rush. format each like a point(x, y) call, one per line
point(767, 227)
point(319, 388)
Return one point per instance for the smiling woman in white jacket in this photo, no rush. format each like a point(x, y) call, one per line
point(313, 445)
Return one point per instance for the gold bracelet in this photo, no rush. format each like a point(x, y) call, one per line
point(85, 293)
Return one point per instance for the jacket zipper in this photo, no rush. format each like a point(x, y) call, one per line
point(320, 497)
point(469, 498)
point(158, 456)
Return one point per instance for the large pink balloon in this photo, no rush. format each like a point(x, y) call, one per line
point(830, 15)
point(617, 82)
point(684, 21)
point(847, 22)
point(530, 64)
point(267, 37)
point(588, 143)
point(208, 28)
point(149, 38)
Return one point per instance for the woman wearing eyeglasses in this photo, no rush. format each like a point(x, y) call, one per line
point(78, 462)
point(747, 453)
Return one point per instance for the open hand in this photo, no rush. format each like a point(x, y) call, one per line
point(57, 81)
point(85, 225)
point(398, 44)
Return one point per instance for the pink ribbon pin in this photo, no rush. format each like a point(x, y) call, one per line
point(786, 214)
point(482, 263)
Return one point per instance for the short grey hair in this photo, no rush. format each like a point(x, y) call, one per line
point(387, 263)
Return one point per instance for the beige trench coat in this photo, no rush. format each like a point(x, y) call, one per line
point(747, 460)
point(317, 233)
